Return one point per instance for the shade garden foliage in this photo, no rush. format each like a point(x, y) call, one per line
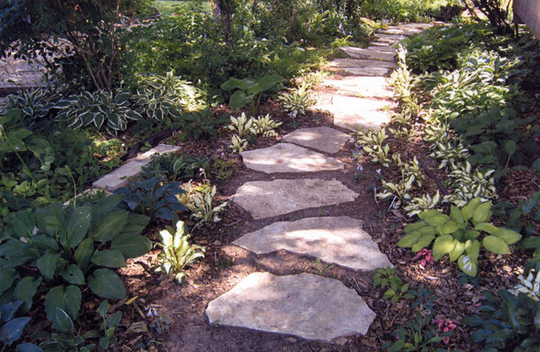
point(119, 72)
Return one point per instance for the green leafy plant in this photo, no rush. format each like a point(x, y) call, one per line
point(506, 324)
point(395, 288)
point(296, 102)
point(238, 145)
point(242, 126)
point(12, 328)
point(101, 108)
point(174, 167)
point(152, 198)
point(400, 191)
point(417, 205)
point(177, 252)
point(250, 90)
point(200, 201)
point(371, 142)
point(265, 126)
point(529, 285)
point(223, 168)
point(469, 184)
point(68, 249)
point(458, 234)
point(523, 218)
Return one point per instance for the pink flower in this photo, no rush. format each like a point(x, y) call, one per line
point(445, 325)
point(425, 256)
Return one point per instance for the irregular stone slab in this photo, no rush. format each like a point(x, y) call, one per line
point(402, 31)
point(389, 38)
point(323, 138)
point(368, 71)
point(305, 305)
point(120, 177)
point(369, 54)
point(354, 113)
point(285, 157)
point(336, 240)
point(382, 48)
point(380, 44)
point(369, 87)
point(355, 63)
point(265, 199)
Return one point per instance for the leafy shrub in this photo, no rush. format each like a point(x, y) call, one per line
point(200, 201)
point(175, 167)
point(101, 108)
point(296, 103)
point(250, 90)
point(506, 324)
point(152, 198)
point(524, 217)
point(177, 252)
point(458, 234)
point(12, 328)
point(63, 248)
point(395, 288)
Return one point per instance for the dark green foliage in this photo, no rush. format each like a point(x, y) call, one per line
point(175, 167)
point(11, 327)
point(152, 198)
point(523, 218)
point(199, 125)
point(59, 251)
point(507, 324)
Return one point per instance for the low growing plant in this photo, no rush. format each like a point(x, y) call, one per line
point(200, 201)
point(458, 234)
point(396, 289)
point(250, 90)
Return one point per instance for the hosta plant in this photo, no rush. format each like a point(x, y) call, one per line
point(58, 252)
point(250, 90)
point(398, 190)
point(417, 205)
point(101, 108)
point(395, 288)
point(296, 102)
point(242, 126)
point(265, 126)
point(371, 142)
point(471, 183)
point(529, 285)
point(177, 252)
point(200, 201)
point(238, 145)
point(460, 234)
point(508, 323)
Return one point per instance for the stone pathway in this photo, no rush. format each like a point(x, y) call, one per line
point(307, 305)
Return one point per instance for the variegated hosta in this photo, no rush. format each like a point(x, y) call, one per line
point(101, 108)
point(34, 103)
point(469, 184)
point(242, 125)
point(529, 285)
point(418, 205)
point(459, 235)
point(296, 102)
point(238, 145)
point(397, 190)
point(371, 142)
point(265, 126)
point(161, 97)
point(449, 153)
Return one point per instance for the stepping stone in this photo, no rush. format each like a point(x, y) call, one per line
point(402, 31)
point(120, 177)
point(368, 87)
point(305, 305)
point(325, 139)
point(355, 63)
point(265, 199)
point(285, 157)
point(379, 44)
point(382, 48)
point(336, 240)
point(368, 71)
point(354, 113)
point(389, 38)
point(369, 54)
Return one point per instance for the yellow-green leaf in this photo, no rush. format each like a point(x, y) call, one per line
point(473, 248)
point(409, 240)
point(456, 215)
point(469, 209)
point(414, 227)
point(482, 213)
point(423, 242)
point(450, 227)
point(495, 245)
point(438, 220)
point(508, 236)
point(486, 227)
point(443, 244)
point(457, 251)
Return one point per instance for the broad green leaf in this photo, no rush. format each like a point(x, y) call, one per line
point(12, 330)
point(473, 249)
point(67, 298)
point(531, 242)
point(109, 258)
point(264, 84)
point(486, 227)
point(104, 206)
point(73, 275)
point(482, 213)
point(28, 347)
point(450, 227)
point(510, 147)
point(22, 224)
point(47, 264)
point(423, 242)
point(234, 83)
point(239, 99)
point(508, 236)
point(131, 246)
point(429, 214)
point(25, 291)
point(106, 284)
point(414, 226)
point(427, 230)
point(438, 220)
point(77, 226)
point(468, 265)
point(62, 321)
point(136, 224)
point(469, 209)
point(536, 165)
point(7, 277)
point(471, 234)
point(409, 240)
point(495, 245)
point(457, 251)
point(84, 252)
point(456, 215)
point(110, 226)
point(443, 244)
point(103, 308)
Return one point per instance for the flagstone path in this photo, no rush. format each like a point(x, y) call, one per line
point(307, 305)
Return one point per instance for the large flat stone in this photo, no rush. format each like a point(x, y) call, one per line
point(357, 63)
point(368, 71)
point(368, 54)
point(304, 305)
point(389, 38)
point(354, 113)
point(264, 199)
point(323, 138)
point(120, 177)
point(285, 157)
point(368, 87)
point(402, 31)
point(337, 240)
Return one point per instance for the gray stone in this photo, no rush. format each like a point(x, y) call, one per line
point(389, 38)
point(382, 48)
point(355, 63)
point(285, 157)
point(379, 44)
point(336, 240)
point(354, 113)
point(402, 31)
point(323, 138)
point(305, 305)
point(120, 177)
point(264, 199)
point(359, 86)
point(368, 54)
point(368, 71)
